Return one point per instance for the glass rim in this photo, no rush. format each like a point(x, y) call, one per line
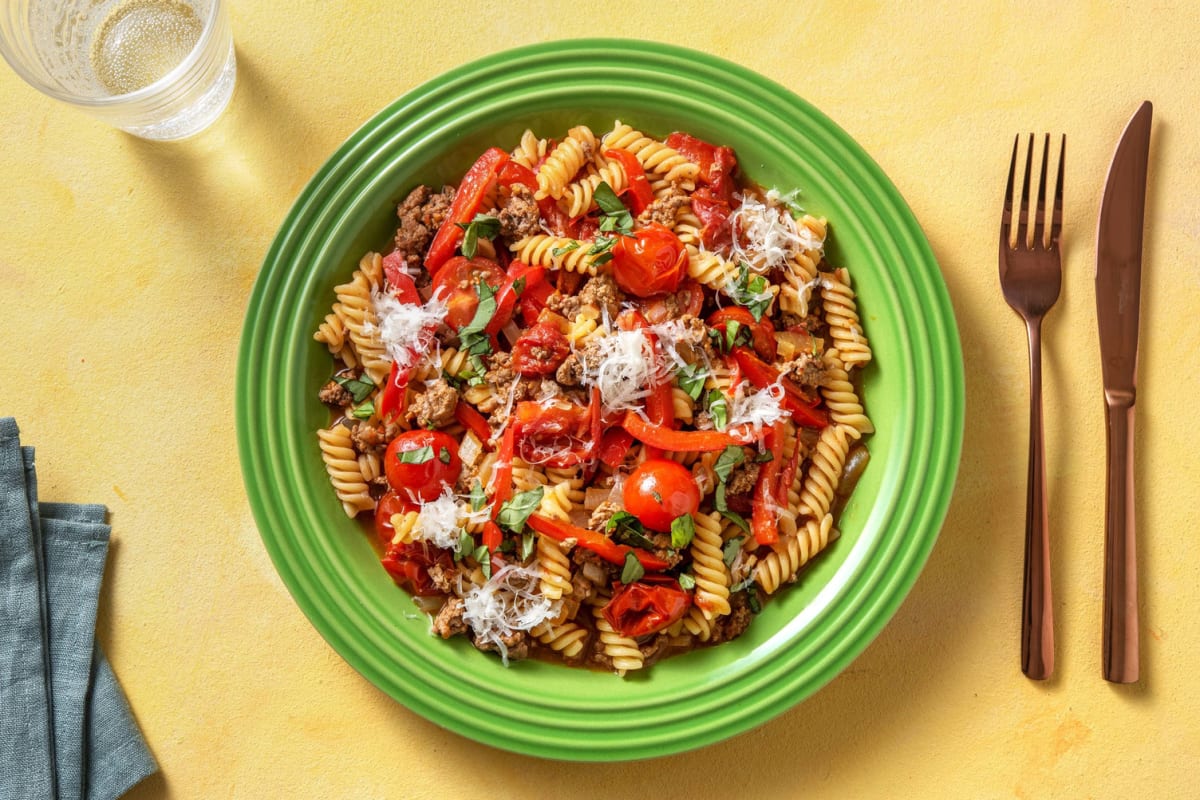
point(147, 92)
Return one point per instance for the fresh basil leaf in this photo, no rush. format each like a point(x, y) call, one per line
point(687, 581)
point(764, 457)
point(683, 530)
point(484, 558)
point(731, 549)
point(632, 570)
point(465, 545)
point(364, 411)
point(720, 505)
point(691, 379)
point(730, 457)
point(515, 511)
point(600, 245)
point(359, 388)
point(752, 292)
point(478, 496)
point(732, 329)
point(607, 200)
point(507, 546)
point(742, 584)
point(752, 601)
point(421, 455)
point(483, 226)
point(562, 251)
point(473, 337)
point(528, 543)
point(444, 455)
point(718, 408)
point(625, 528)
point(518, 286)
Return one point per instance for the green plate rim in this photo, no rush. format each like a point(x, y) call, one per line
point(712, 697)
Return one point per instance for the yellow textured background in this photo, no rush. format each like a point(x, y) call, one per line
point(125, 267)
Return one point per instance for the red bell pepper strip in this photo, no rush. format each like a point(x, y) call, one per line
point(762, 333)
point(763, 521)
point(395, 393)
point(467, 201)
point(684, 441)
point(596, 542)
point(473, 421)
point(614, 446)
point(502, 486)
point(635, 174)
point(795, 400)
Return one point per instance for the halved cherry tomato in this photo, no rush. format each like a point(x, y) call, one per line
point(794, 400)
point(647, 605)
point(422, 475)
point(468, 201)
point(556, 434)
point(458, 284)
point(762, 332)
point(717, 164)
point(391, 503)
point(401, 283)
point(540, 350)
point(658, 491)
point(638, 187)
point(535, 292)
point(409, 564)
point(652, 262)
point(688, 300)
point(713, 212)
point(595, 541)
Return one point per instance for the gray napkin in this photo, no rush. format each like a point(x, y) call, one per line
point(66, 730)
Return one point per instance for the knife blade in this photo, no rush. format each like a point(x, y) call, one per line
point(1118, 297)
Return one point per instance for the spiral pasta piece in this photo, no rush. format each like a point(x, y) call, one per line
point(841, 314)
point(799, 280)
point(526, 476)
point(560, 252)
point(622, 651)
point(449, 361)
point(405, 526)
point(709, 268)
point(484, 397)
point(844, 406)
point(360, 319)
point(567, 639)
point(333, 333)
point(708, 566)
point(585, 328)
point(663, 165)
point(554, 568)
point(564, 161)
point(825, 471)
point(578, 195)
point(791, 553)
point(572, 477)
point(341, 462)
point(681, 405)
point(531, 150)
point(688, 226)
point(698, 625)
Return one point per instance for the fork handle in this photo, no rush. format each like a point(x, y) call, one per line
point(1037, 611)
point(1120, 653)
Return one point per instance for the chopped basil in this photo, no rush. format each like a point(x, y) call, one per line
point(507, 546)
point(421, 455)
point(616, 216)
point(364, 411)
point(454, 381)
point(515, 511)
point(359, 388)
point(683, 530)
point(687, 581)
point(745, 583)
point(730, 457)
point(752, 601)
point(625, 528)
point(752, 292)
point(632, 570)
point(601, 244)
point(731, 550)
point(477, 497)
point(465, 545)
point(484, 558)
point(763, 457)
point(473, 336)
point(718, 408)
point(482, 226)
point(444, 455)
point(518, 286)
point(528, 542)
point(691, 379)
point(562, 251)
point(720, 505)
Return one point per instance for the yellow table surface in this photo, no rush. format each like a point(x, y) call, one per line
point(125, 268)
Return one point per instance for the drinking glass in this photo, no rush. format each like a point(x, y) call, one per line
point(159, 69)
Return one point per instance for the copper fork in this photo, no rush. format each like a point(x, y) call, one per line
point(1031, 276)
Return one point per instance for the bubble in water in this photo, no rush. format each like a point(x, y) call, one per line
point(141, 41)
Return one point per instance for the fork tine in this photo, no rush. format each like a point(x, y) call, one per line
point(1056, 217)
point(1006, 215)
point(1039, 221)
point(1023, 211)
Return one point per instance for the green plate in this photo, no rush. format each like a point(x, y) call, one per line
point(806, 635)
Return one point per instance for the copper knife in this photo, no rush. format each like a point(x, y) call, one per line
point(1118, 290)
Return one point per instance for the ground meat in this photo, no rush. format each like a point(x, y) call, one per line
point(570, 372)
point(601, 292)
point(443, 579)
point(516, 645)
point(805, 370)
point(663, 210)
point(566, 304)
point(449, 621)
point(520, 216)
point(662, 548)
point(434, 408)
point(695, 339)
point(500, 372)
point(581, 588)
point(549, 390)
point(336, 395)
point(590, 357)
point(743, 477)
point(371, 437)
point(421, 214)
point(602, 514)
point(735, 623)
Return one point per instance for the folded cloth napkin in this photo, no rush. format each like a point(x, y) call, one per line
point(66, 730)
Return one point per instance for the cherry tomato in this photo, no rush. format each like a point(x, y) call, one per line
point(652, 262)
point(458, 283)
point(762, 332)
point(401, 283)
point(557, 434)
point(647, 605)
point(717, 164)
point(537, 289)
point(660, 490)
point(422, 475)
point(409, 564)
point(688, 300)
point(713, 212)
point(391, 503)
point(540, 350)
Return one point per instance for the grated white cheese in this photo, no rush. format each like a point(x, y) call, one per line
point(508, 602)
point(766, 234)
point(406, 329)
point(624, 367)
point(756, 408)
point(670, 335)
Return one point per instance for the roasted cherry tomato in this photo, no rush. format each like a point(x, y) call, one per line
point(391, 503)
point(713, 212)
point(540, 350)
point(395, 270)
point(458, 283)
point(409, 564)
point(535, 289)
point(652, 262)
point(688, 300)
point(647, 605)
point(660, 490)
point(762, 332)
point(717, 164)
point(556, 434)
point(419, 464)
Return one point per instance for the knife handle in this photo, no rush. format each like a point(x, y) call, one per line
point(1037, 606)
point(1120, 548)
